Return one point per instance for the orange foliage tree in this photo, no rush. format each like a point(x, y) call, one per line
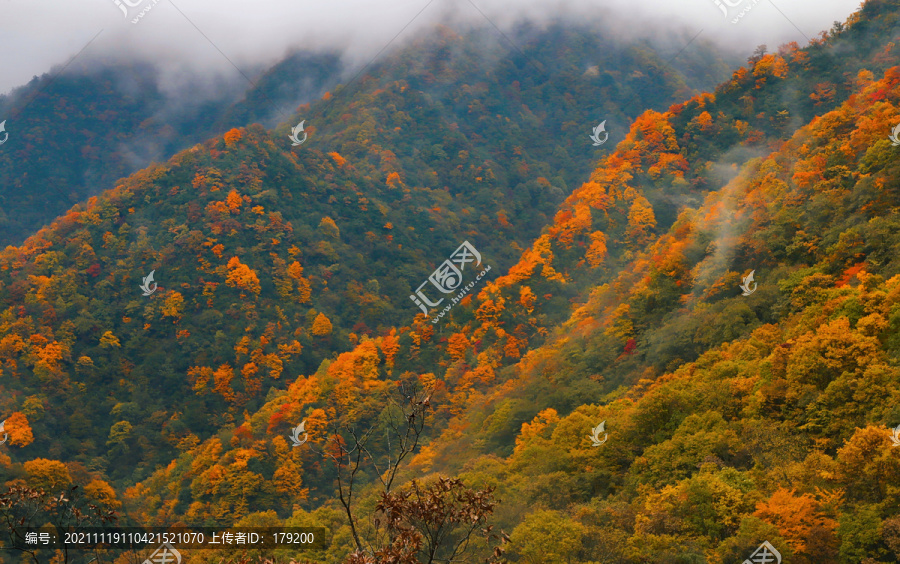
point(232, 136)
point(389, 347)
point(222, 381)
point(321, 326)
point(242, 276)
point(801, 521)
point(18, 429)
point(457, 345)
point(295, 271)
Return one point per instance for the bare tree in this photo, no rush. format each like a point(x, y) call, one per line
point(404, 422)
point(24, 509)
point(432, 524)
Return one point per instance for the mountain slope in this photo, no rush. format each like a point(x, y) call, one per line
point(774, 429)
point(270, 258)
point(72, 135)
point(777, 431)
point(668, 160)
point(731, 419)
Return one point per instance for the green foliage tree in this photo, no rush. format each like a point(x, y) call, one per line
point(547, 536)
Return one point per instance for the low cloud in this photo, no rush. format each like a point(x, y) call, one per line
point(230, 37)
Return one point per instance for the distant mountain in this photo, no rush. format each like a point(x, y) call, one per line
point(730, 420)
point(74, 133)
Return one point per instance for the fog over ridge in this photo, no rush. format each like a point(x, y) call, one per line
point(187, 37)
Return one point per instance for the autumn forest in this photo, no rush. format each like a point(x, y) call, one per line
point(668, 347)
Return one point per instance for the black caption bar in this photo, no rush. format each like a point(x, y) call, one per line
point(89, 538)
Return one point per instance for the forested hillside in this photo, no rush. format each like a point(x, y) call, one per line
point(729, 418)
point(75, 131)
point(271, 258)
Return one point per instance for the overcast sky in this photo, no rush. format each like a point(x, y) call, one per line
point(190, 36)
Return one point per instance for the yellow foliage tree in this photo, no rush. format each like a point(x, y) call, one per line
point(389, 346)
point(321, 326)
point(329, 228)
point(597, 252)
point(620, 323)
point(201, 376)
point(527, 298)
point(102, 493)
point(288, 480)
point(295, 271)
point(174, 305)
point(303, 290)
point(251, 383)
point(540, 422)
point(640, 220)
point(338, 159)
point(512, 346)
point(489, 311)
point(50, 476)
point(800, 519)
point(109, 340)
